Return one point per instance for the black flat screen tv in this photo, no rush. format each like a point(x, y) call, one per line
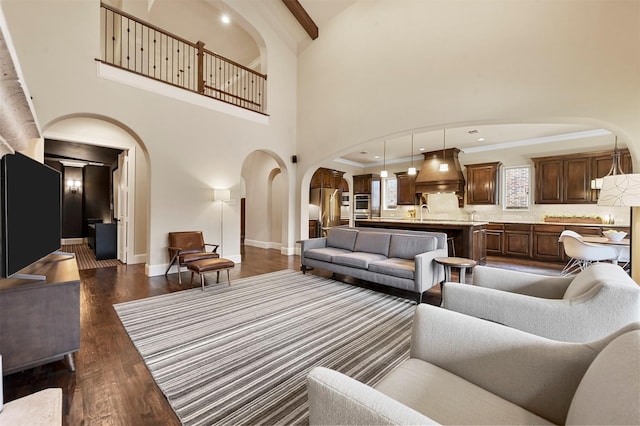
point(31, 212)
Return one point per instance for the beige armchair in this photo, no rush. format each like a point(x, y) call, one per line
point(463, 370)
point(578, 308)
point(187, 246)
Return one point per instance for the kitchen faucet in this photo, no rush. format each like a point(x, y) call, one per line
point(423, 206)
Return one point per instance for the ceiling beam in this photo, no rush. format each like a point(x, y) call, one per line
point(303, 17)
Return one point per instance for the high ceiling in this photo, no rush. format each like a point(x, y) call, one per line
point(528, 139)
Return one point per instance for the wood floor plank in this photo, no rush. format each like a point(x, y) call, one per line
point(112, 385)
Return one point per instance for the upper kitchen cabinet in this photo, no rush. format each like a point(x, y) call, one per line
point(406, 195)
point(364, 184)
point(326, 178)
point(483, 183)
point(567, 179)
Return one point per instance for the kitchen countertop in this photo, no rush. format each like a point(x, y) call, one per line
point(458, 222)
point(480, 222)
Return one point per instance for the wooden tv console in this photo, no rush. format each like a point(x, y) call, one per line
point(40, 319)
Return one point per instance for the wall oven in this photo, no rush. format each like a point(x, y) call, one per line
point(362, 206)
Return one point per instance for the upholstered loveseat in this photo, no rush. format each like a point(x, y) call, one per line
point(576, 308)
point(464, 370)
point(394, 258)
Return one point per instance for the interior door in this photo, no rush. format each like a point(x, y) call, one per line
point(121, 203)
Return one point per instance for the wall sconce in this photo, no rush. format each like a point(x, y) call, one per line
point(74, 185)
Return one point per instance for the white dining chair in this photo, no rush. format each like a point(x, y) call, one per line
point(583, 254)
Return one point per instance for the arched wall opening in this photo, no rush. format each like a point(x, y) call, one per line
point(105, 132)
point(267, 202)
point(328, 160)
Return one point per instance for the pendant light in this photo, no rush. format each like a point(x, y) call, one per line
point(444, 166)
point(616, 168)
point(383, 172)
point(412, 170)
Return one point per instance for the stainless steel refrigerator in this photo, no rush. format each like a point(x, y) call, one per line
point(328, 201)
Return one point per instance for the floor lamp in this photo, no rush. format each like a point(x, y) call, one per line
point(222, 196)
point(624, 190)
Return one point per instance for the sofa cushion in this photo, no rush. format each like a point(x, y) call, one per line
point(373, 242)
point(609, 392)
point(324, 254)
point(408, 246)
point(343, 238)
point(590, 277)
point(402, 268)
point(450, 399)
point(357, 259)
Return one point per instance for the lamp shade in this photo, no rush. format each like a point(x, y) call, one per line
point(620, 190)
point(221, 195)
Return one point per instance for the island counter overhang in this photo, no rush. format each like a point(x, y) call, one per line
point(469, 237)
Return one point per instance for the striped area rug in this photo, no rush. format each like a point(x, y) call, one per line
point(239, 354)
point(87, 259)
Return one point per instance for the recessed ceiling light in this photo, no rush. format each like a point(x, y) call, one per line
point(225, 19)
point(420, 149)
point(364, 152)
point(376, 156)
point(480, 139)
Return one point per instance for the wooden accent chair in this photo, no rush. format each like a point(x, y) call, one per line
point(187, 246)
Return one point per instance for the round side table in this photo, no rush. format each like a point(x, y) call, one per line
point(455, 262)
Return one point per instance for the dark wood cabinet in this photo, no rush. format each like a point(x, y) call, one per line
point(567, 179)
point(326, 178)
point(344, 186)
point(480, 244)
point(549, 181)
point(102, 239)
point(363, 184)
point(545, 242)
point(406, 184)
point(313, 228)
point(577, 180)
point(517, 240)
point(483, 183)
point(534, 241)
point(40, 320)
point(495, 233)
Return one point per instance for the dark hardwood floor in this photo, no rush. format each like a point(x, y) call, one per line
point(111, 384)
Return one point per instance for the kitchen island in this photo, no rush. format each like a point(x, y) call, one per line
point(468, 237)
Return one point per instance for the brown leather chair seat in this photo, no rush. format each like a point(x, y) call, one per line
point(188, 246)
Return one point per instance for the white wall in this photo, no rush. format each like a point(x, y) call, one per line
point(191, 149)
point(389, 70)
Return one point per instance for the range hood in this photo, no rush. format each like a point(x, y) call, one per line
point(432, 179)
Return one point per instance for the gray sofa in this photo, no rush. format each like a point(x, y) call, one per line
point(464, 370)
point(394, 258)
point(576, 308)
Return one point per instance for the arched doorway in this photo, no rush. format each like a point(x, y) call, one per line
point(134, 196)
point(266, 202)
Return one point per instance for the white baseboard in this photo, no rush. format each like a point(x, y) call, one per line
point(137, 259)
point(288, 251)
point(262, 244)
point(71, 241)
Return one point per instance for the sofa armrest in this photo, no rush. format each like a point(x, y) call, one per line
point(586, 318)
point(312, 243)
point(521, 282)
point(428, 273)
point(533, 372)
point(336, 399)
